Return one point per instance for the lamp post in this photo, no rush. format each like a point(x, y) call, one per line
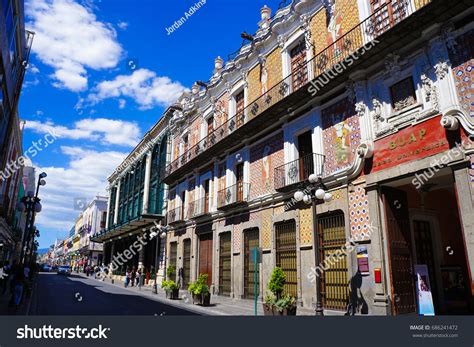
point(31, 204)
point(162, 234)
point(313, 193)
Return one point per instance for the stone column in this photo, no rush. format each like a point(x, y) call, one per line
point(108, 211)
point(112, 250)
point(146, 188)
point(141, 258)
point(376, 294)
point(117, 199)
point(466, 213)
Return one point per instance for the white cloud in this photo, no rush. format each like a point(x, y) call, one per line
point(122, 25)
point(143, 85)
point(69, 38)
point(122, 103)
point(108, 131)
point(85, 177)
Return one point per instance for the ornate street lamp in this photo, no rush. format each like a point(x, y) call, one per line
point(314, 193)
point(30, 204)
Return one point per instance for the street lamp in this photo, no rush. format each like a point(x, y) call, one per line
point(313, 193)
point(31, 204)
point(162, 234)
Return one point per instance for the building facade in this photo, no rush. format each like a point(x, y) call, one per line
point(373, 98)
point(15, 45)
point(136, 208)
point(94, 220)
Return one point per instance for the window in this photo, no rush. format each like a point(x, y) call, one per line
point(299, 69)
point(403, 94)
point(210, 125)
point(239, 108)
point(387, 14)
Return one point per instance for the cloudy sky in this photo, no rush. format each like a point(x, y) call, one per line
point(100, 75)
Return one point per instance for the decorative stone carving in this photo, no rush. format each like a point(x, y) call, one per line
point(393, 64)
point(360, 108)
point(377, 110)
point(441, 69)
point(448, 36)
point(281, 40)
point(431, 92)
point(440, 57)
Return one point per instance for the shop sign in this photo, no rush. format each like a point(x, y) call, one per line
point(412, 143)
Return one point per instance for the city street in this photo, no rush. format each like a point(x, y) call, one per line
point(75, 295)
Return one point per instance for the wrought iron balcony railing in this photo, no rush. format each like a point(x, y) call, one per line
point(236, 194)
point(383, 19)
point(298, 170)
point(198, 207)
point(176, 215)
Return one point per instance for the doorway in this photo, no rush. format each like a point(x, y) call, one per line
point(305, 155)
point(423, 228)
point(250, 242)
point(205, 256)
point(225, 257)
point(286, 257)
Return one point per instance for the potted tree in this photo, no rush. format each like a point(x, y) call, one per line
point(171, 289)
point(200, 291)
point(275, 303)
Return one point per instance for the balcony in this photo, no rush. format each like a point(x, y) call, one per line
point(235, 195)
point(198, 208)
point(293, 91)
point(298, 171)
point(176, 215)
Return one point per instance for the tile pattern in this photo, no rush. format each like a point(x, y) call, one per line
point(358, 211)
point(266, 228)
point(462, 60)
point(306, 226)
point(341, 135)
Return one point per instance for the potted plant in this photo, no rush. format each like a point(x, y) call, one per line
point(275, 303)
point(200, 291)
point(171, 289)
point(170, 272)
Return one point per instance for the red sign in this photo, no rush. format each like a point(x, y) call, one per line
point(412, 143)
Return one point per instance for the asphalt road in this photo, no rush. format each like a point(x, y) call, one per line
point(75, 295)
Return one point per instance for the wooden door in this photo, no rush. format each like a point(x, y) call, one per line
point(305, 154)
point(240, 182)
point(186, 262)
point(173, 258)
point(250, 242)
point(225, 271)
point(183, 204)
point(400, 258)
point(286, 258)
point(205, 256)
point(299, 69)
point(239, 108)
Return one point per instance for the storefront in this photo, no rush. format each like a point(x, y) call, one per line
point(420, 181)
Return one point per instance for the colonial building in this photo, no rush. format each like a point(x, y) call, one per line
point(136, 207)
point(94, 219)
point(15, 45)
point(366, 95)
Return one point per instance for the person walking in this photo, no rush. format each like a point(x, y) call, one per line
point(127, 278)
point(133, 275)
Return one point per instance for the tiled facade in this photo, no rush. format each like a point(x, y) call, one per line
point(369, 134)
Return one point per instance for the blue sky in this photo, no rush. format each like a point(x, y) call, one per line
point(80, 87)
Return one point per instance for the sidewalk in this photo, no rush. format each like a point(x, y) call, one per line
point(220, 305)
point(24, 307)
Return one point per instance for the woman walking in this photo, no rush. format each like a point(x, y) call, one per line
point(127, 278)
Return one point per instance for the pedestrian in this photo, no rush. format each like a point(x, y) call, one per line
point(17, 285)
point(137, 276)
point(133, 275)
point(127, 278)
point(5, 270)
point(26, 271)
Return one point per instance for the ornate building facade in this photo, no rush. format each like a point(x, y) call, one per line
point(136, 208)
point(372, 96)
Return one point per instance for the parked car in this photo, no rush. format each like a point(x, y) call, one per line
point(46, 268)
point(64, 270)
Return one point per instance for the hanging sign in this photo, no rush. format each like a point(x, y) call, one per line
point(423, 291)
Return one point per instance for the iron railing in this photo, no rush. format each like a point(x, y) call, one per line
point(298, 170)
point(385, 18)
point(235, 194)
point(198, 207)
point(176, 215)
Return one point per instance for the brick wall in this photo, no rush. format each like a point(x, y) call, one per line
point(264, 157)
